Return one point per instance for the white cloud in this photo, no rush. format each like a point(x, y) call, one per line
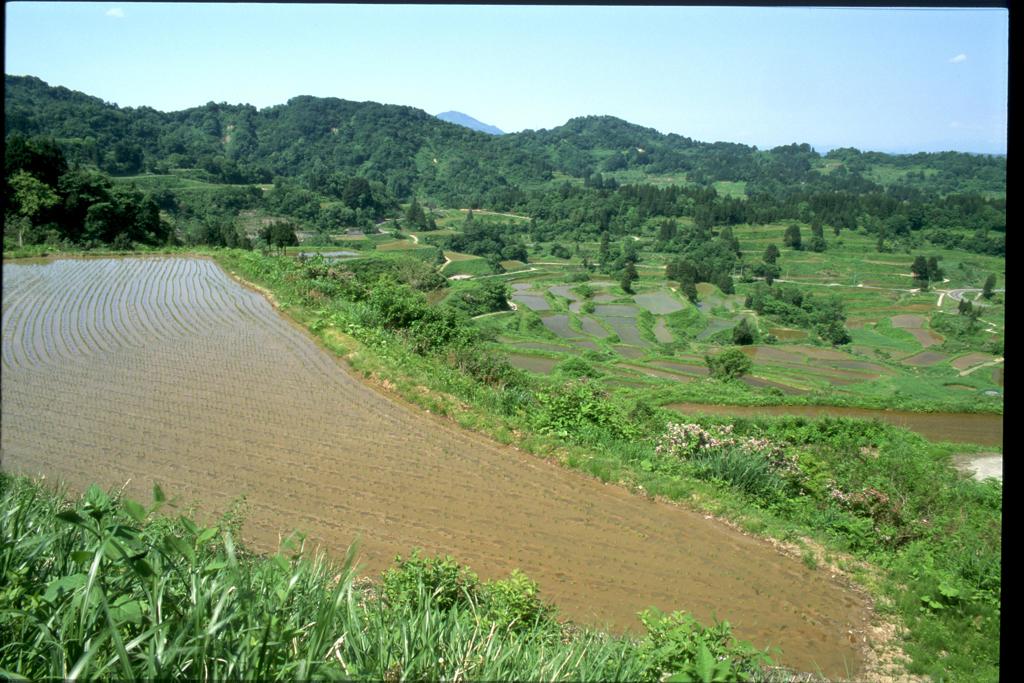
point(959, 58)
point(116, 12)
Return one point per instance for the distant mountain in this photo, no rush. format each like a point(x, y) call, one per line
point(458, 118)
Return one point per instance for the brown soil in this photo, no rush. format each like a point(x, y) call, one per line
point(925, 358)
point(165, 370)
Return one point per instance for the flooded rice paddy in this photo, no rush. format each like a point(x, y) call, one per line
point(985, 429)
point(166, 370)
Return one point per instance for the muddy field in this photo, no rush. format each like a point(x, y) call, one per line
point(165, 370)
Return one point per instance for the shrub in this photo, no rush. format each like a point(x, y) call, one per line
point(729, 364)
point(577, 367)
point(514, 604)
point(448, 582)
point(677, 644)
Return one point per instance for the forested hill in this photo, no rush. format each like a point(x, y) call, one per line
point(413, 153)
point(336, 164)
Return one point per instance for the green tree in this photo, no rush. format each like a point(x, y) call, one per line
point(280, 234)
point(629, 276)
point(920, 268)
point(603, 251)
point(724, 282)
point(791, 238)
point(989, 286)
point(728, 365)
point(744, 333)
point(771, 254)
point(32, 198)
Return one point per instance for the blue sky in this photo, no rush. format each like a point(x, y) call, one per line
point(890, 80)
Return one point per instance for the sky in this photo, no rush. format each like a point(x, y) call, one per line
point(893, 80)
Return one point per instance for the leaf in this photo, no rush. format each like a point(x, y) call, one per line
point(206, 535)
point(705, 663)
point(127, 609)
point(134, 510)
point(158, 494)
point(173, 543)
point(82, 556)
point(142, 568)
point(215, 565)
point(65, 584)
point(189, 525)
point(71, 516)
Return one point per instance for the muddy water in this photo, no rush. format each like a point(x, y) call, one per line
point(985, 429)
point(166, 370)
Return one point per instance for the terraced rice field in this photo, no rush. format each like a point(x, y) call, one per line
point(925, 358)
point(166, 370)
point(914, 324)
point(525, 297)
point(530, 363)
point(658, 303)
point(970, 360)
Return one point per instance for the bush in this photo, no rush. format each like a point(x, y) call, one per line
point(677, 644)
point(514, 604)
point(728, 365)
point(448, 582)
point(577, 367)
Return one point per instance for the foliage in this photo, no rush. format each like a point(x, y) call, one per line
point(576, 408)
point(729, 364)
point(744, 333)
point(482, 296)
point(677, 644)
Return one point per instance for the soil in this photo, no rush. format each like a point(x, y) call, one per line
point(166, 370)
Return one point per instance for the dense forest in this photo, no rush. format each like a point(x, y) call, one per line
point(329, 164)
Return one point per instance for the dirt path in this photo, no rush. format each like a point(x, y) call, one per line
point(167, 370)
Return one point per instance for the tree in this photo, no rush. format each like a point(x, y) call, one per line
point(724, 282)
point(32, 197)
point(935, 273)
point(743, 334)
point(414, 215)
point(689, 290)
point(629, 276)
point(771, 254)
point(833, 332)
point(792, 237)
point(920, 268)
point(989, 286)
point(603, 251)
point(280, 234)
point(728, 365)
